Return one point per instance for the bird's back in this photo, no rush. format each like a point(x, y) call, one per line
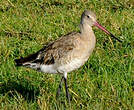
point(52, 53)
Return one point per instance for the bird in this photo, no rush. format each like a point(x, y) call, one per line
point(68, 53)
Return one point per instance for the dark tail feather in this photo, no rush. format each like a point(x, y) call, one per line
point(30, 58)
point(18, 62)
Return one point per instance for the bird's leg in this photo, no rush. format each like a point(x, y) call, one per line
point(66, 87)
point(59, 88)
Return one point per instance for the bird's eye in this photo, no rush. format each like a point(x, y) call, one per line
point(88, 16)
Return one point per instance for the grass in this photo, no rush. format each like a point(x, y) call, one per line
point(105, 82)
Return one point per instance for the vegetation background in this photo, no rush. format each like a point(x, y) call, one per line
point(105, 82)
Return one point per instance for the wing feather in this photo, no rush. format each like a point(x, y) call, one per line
point(51, 52)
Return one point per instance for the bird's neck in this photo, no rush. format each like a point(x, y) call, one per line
point(87, 34)
point(85, 29)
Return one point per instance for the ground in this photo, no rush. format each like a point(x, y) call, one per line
point(105, 82)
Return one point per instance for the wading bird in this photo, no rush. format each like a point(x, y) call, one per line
point(67, 53)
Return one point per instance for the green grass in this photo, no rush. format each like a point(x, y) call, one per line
point(105, 82)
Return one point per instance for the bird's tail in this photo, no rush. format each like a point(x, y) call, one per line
point(24, 61)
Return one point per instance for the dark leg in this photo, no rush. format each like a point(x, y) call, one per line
point(59, 88)
point(66, 87)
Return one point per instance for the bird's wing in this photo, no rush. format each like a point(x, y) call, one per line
point(51, 52)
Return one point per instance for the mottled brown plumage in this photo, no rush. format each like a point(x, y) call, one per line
point(53, 51)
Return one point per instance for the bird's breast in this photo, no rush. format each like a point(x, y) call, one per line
point(77, 57)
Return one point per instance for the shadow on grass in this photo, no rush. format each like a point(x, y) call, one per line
point(23, 87)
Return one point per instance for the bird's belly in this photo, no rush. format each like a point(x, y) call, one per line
point(70, 66)
point(65, 68)
point(48, 69)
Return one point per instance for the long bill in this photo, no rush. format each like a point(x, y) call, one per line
point(106, 31)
